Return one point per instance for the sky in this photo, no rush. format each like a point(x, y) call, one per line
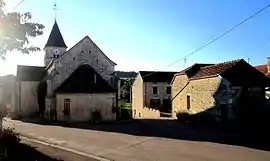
point(151, 34)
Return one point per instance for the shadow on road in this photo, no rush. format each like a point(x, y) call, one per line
point(25, 152)
point(173, 129)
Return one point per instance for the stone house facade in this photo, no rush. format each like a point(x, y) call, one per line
point(60, 66)
point(151, 94)
point(216, 89)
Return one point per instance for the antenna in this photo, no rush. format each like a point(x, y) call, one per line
point(185, 62)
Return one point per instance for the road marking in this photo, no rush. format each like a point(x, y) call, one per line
point(67, 149)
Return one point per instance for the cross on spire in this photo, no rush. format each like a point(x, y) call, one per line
point(55, 10)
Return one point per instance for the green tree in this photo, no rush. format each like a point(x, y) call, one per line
point(125, 89)
point(16, 30)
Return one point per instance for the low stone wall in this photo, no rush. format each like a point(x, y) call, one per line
point(150, 113)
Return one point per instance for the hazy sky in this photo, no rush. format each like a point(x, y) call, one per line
point(150, 34)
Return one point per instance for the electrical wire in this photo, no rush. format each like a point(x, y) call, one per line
point(217, 38)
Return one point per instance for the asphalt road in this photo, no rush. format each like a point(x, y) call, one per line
point(142, 140)
point(50, 153)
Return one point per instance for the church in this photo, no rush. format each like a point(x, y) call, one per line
point(75, 85)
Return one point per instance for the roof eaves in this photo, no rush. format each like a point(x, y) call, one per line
point(204, 77)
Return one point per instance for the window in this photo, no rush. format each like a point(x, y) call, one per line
point(97, 62)
point(154, 102)
point(188, 102)
point(95, 78)
point(168, 90)
point(66, 106)
point(155, 89)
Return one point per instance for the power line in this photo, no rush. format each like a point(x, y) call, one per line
point(218, 37)
point(18, 4)
point(223, 34)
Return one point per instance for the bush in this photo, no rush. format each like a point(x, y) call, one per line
point(96, 116)
point(9, 138)
point(114, 109)
point(183, 116)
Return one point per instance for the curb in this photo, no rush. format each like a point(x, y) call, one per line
point(66, 149)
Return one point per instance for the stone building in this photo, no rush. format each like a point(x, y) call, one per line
point(218, 90)
point(72, 84)
point(151, 94)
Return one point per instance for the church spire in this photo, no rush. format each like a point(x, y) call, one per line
point(55, 38)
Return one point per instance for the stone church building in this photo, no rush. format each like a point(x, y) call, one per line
point(72, 86)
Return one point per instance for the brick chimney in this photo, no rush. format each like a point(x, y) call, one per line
point(268, 64)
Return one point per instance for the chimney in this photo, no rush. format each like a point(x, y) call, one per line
point(268, 64)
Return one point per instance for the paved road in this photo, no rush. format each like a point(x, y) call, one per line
point(54, 153)
point(144, 140)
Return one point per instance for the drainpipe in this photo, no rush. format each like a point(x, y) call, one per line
point(19, 105)
point(118, 96)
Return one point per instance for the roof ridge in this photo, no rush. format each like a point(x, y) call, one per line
point(65, 52)
point(221, 63)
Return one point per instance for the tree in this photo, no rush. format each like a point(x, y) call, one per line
point(16, 30)
point(125, 89)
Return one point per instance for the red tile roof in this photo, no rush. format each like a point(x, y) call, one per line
point(262, 68)
point(214, 70)
point(192, 66)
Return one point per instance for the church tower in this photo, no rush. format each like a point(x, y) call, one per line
point(55, 45)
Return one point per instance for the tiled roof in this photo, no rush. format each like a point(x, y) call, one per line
point(237, 72)
point(56, 38)
point(30, 73)
point(155, 76)
point(214, 70)
point(262, 68)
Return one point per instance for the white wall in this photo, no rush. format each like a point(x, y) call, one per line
point(82, 106)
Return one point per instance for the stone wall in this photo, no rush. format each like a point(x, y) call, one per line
point(49, 55)
point(137, 97)
point(150, 113)
point(85, 52)
point(203, 94)
point(82, 106)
